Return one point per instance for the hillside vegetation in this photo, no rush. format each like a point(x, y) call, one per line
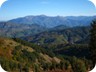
point(58, 36)
point(14, 54)
point(20, 56)
point(8, 29)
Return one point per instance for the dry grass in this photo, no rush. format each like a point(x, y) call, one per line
point(49, 59)
point(8, 45)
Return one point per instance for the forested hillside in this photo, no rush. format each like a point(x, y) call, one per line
point(61, 36)
point(20, 56)
point(8, 29)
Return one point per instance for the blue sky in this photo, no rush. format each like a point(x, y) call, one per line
point(19, 8)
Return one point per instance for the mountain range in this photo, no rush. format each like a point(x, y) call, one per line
point(50, 22)
point(34, 25)
point(46, 44)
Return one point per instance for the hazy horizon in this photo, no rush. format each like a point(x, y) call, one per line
point(48, 16)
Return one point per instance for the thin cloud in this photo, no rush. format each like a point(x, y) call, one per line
point(44, 2)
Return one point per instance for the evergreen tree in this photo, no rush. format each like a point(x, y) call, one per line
point(93, 41)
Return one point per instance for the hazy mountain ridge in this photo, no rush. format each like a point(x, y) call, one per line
point(48, 21)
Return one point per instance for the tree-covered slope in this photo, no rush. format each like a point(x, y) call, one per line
point(8, 29)
point(64, 36)
point(15, 56)
point(20, 56)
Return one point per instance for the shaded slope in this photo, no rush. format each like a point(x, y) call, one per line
point(64, 36)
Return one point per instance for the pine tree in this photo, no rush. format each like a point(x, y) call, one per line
point(93, 41)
